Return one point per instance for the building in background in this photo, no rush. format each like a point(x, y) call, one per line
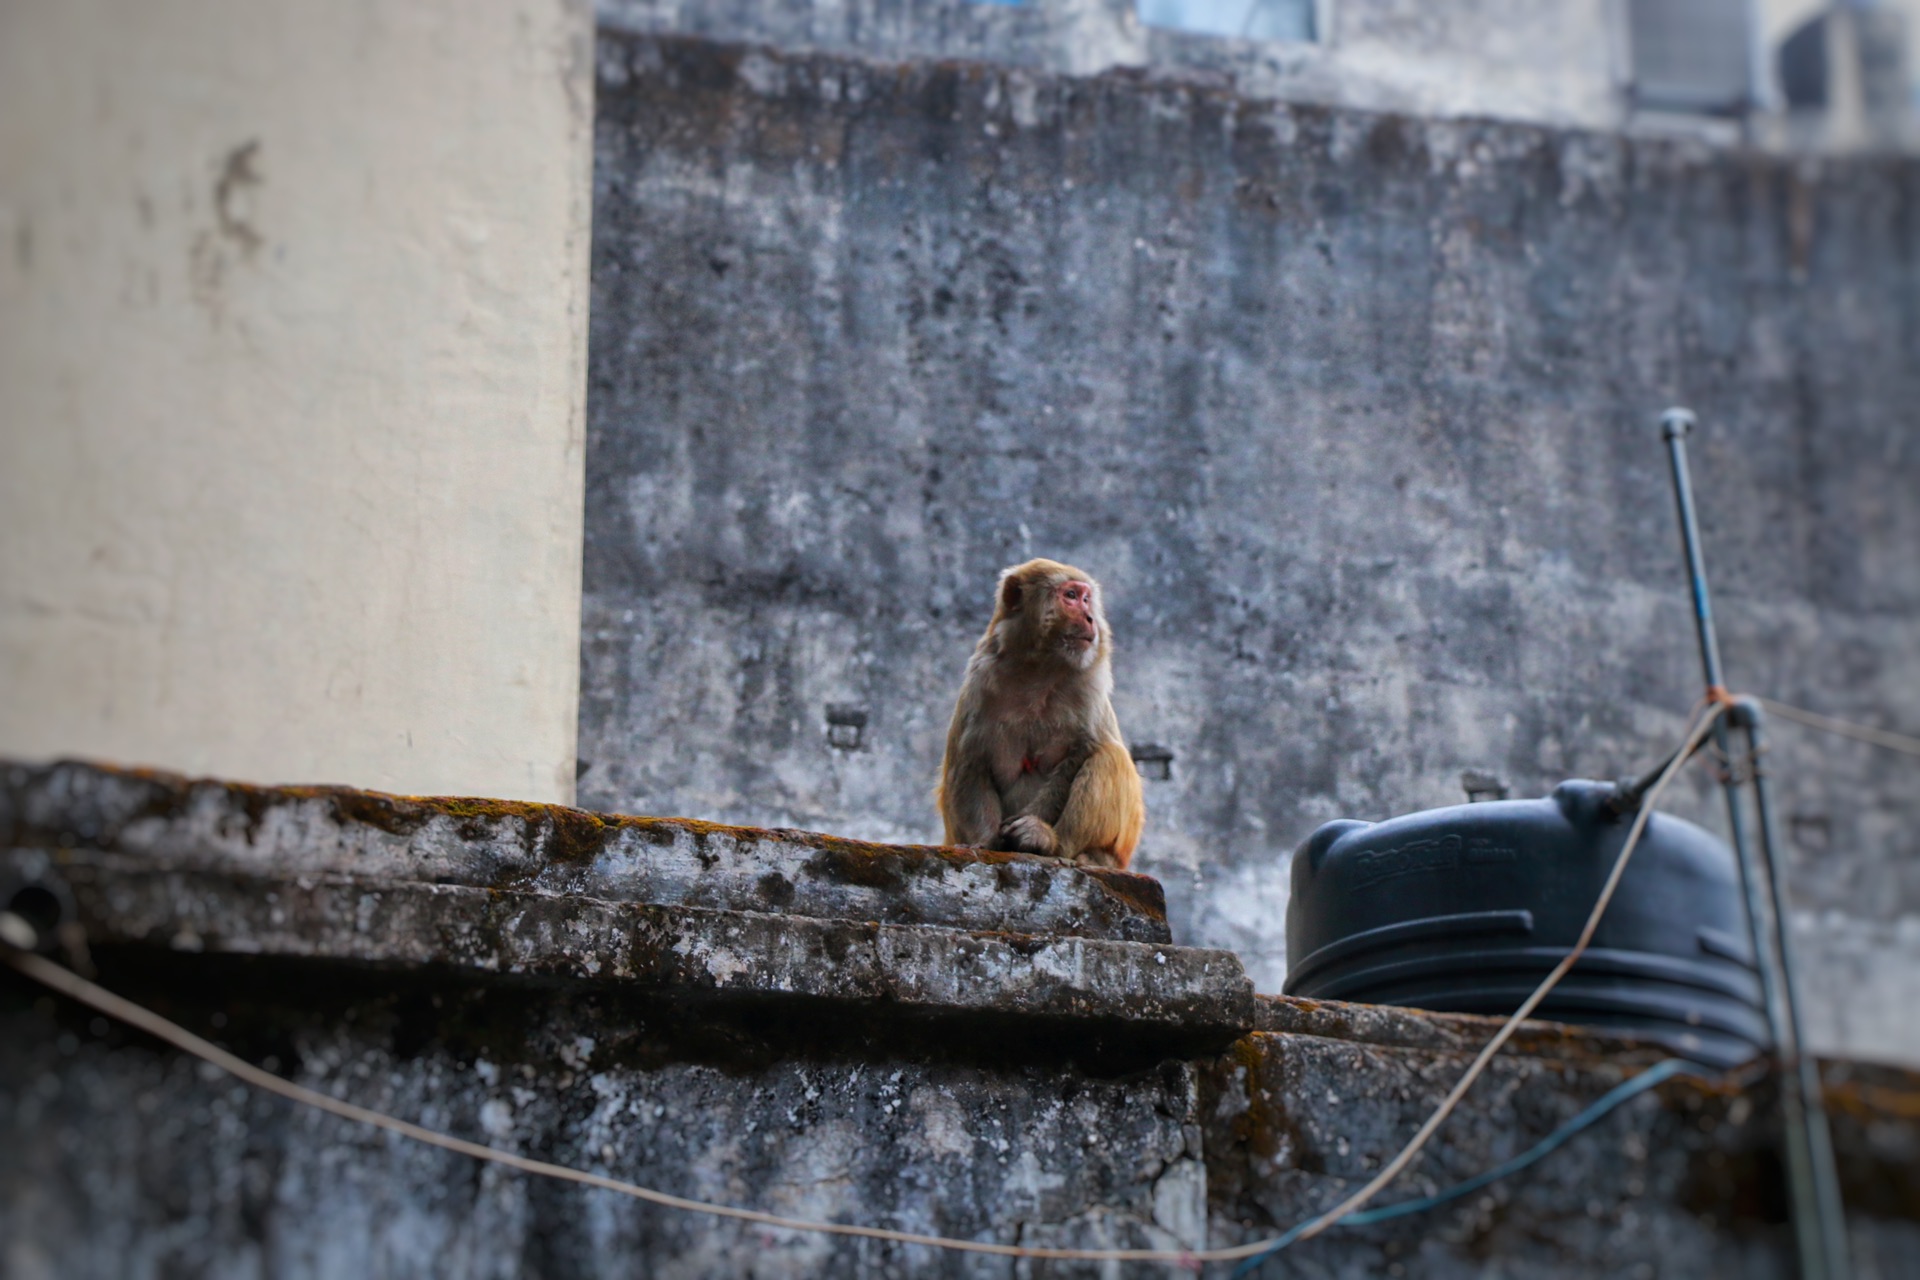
point(1764, 72)
point(292, 323)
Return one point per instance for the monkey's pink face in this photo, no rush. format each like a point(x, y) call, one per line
point(1079, 622)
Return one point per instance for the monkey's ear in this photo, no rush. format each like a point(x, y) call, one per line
point(1009, 593)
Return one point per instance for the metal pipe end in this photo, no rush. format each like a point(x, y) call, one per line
point(1744, 712)
point(33, 910)
point(1677, 423)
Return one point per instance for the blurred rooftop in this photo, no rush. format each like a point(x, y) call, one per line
point(1784, 74)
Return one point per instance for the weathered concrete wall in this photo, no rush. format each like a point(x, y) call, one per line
point(992, 1046)
point(1560, 62)
point(538, 891)
point(120, 1160)
point(1352, 414)
point(123, 1162)
point(1684, 1181)
point(1557, 61)
point(292, 339)
point(611, 1004)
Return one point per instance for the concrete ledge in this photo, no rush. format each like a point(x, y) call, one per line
point(1178, 997)
point(222, 826)
point(1391, 1027)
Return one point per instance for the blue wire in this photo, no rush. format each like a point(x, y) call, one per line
point(1620, 1093)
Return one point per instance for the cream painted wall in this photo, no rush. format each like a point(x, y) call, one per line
point(292, 349)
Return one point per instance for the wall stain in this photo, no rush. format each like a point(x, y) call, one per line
point(208, 257)
point(238, 174)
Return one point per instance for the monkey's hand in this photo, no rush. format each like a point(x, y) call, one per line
point(1028, 834)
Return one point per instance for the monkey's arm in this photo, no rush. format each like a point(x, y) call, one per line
point(1100, 819)
point(1029, 829)
point(1105, 810)
point(969, 802)
point(1051, 800)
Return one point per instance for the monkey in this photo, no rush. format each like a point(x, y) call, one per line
point(1035, 762)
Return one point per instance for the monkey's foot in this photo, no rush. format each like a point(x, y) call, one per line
point(1027, 834)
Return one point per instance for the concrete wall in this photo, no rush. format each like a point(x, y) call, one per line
point(1353, 415)
point(292, 308)
point(922, 1039)
point(1547, 60)
point(1560, 62)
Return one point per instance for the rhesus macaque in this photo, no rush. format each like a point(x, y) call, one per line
point(1035, 762)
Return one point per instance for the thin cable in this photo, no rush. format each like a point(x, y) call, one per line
point(1845, 728)
point(1314, 1226)
point(99, 998)
point(1598, 1110)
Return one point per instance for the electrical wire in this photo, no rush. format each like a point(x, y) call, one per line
point(1598, 1110)
point(98, 998)
point(1845, 728)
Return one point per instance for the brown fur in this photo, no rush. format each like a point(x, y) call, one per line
point(1035, 761)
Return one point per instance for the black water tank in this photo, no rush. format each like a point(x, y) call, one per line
point(1465, 909)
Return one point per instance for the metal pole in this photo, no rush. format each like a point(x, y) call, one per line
point(1808, 1097)
point(1675, 424)
point(1812, 1231)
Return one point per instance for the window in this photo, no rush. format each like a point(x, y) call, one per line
point(1879, 40)
point(1242, 19)
point(1803, 64)
point(1692, 55)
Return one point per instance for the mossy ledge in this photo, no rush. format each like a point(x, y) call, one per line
point(97, 802)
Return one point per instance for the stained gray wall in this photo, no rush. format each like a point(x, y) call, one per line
point(1352, 414)
point(1557, 61)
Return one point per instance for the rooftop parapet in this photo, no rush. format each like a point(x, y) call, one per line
point(670, 906)
point(204, 825)
point(1023, 1084)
